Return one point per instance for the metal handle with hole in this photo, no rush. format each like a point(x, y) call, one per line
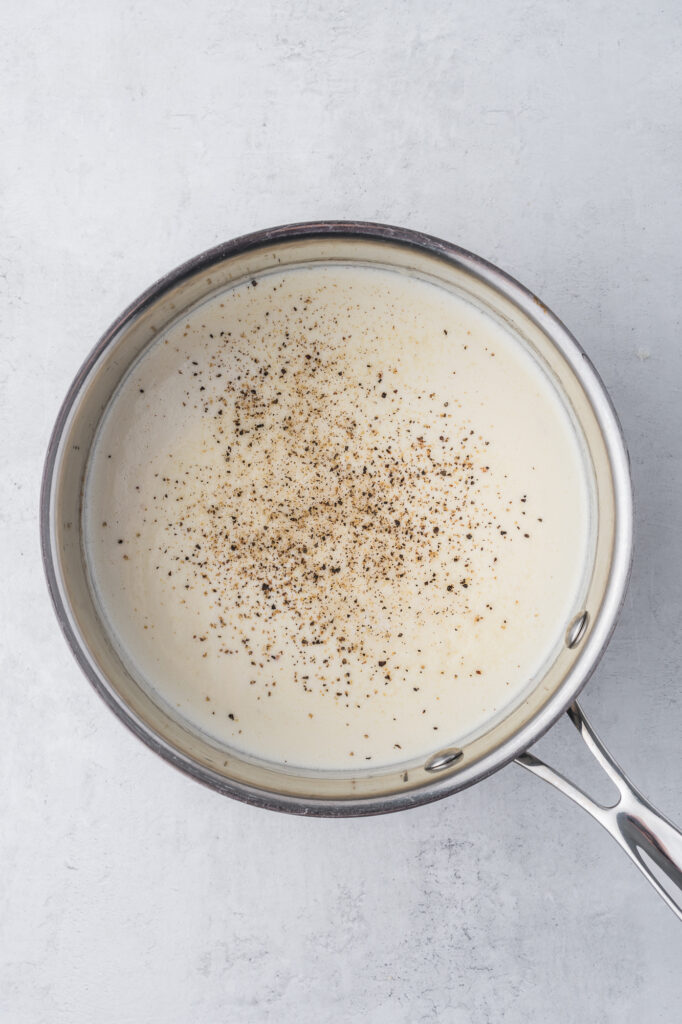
point(632, 821)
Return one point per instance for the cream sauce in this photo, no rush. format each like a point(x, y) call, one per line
point(338, 517)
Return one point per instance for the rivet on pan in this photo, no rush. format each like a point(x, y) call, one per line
point(444, 759)
point(577, 629)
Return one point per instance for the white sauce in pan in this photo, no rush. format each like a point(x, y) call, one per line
point(337, 517)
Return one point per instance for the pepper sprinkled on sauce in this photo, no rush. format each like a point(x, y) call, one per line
point(322, 501)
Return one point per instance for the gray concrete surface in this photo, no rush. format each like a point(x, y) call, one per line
point(546, 137)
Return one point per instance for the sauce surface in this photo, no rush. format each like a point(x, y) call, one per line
point(337, 517)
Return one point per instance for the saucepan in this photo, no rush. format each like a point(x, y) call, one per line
point(648, 838)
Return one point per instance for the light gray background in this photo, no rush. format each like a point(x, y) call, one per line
point(544, 136)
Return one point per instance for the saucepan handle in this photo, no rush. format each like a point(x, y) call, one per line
point(632, 821)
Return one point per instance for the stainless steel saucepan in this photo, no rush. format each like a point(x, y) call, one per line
point(644, 834)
